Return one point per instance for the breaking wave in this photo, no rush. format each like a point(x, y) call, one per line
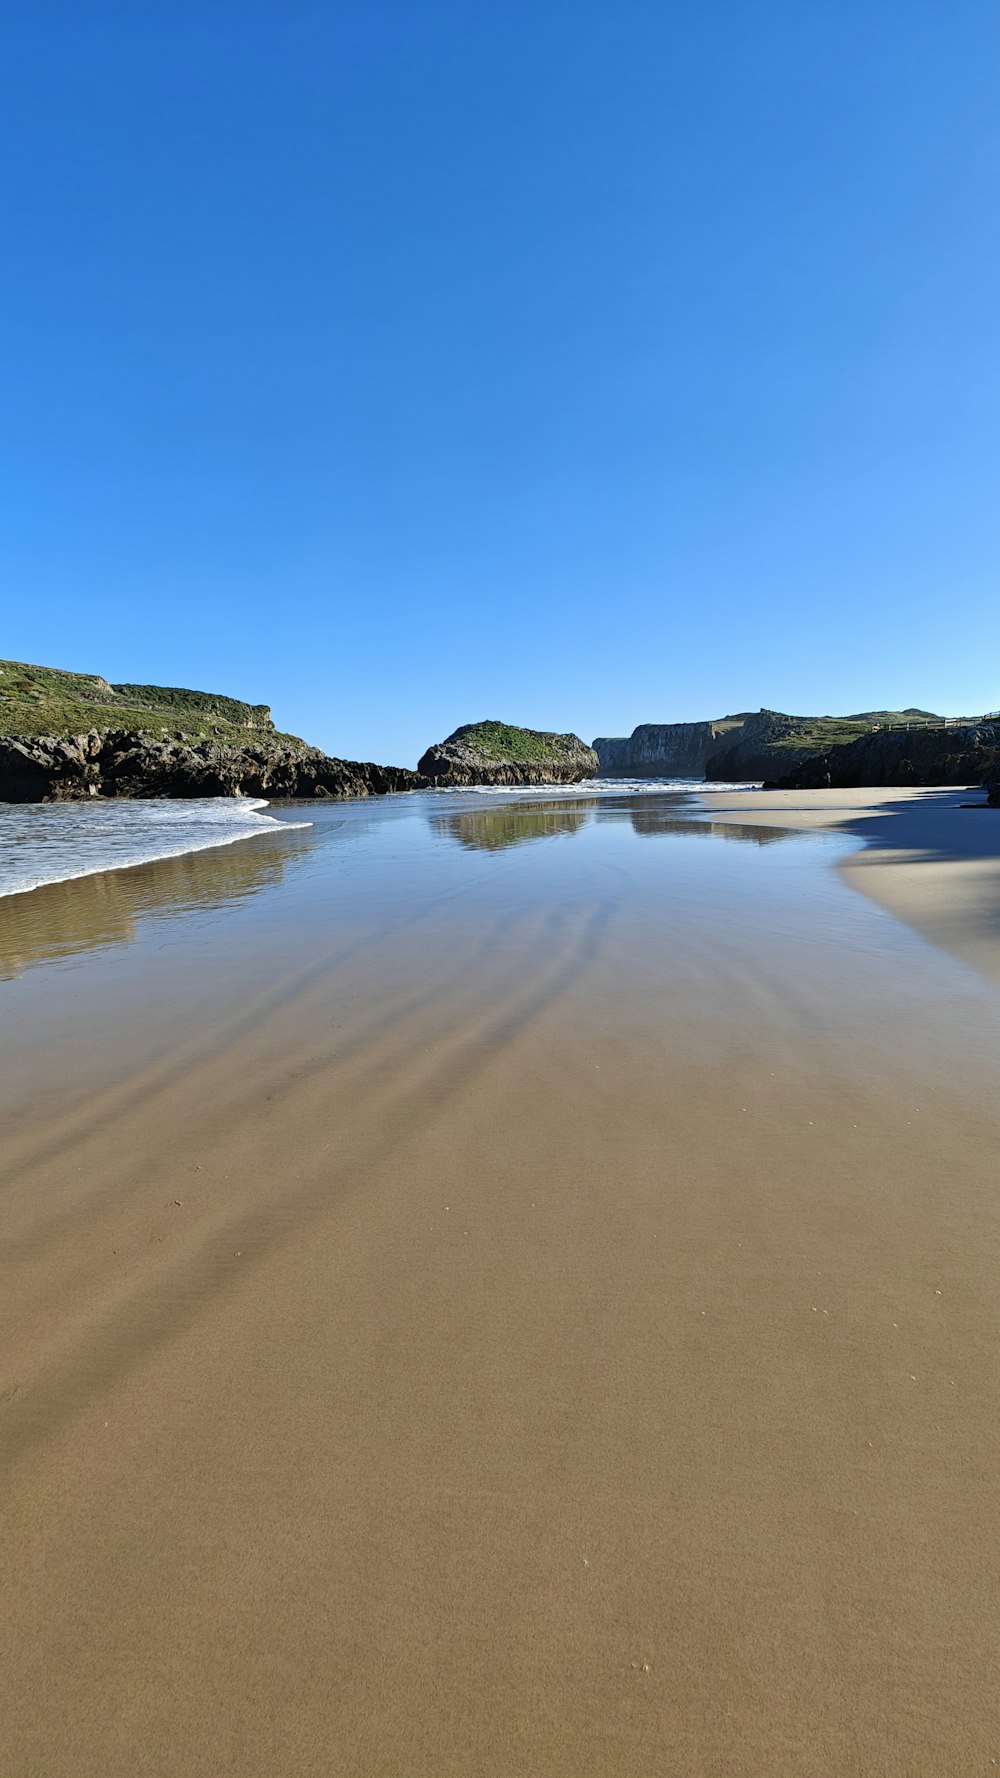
point(54, 842)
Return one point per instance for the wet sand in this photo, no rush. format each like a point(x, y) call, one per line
point(930, 856)
point(499, 1298)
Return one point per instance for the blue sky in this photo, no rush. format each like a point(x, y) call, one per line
point(576, 364)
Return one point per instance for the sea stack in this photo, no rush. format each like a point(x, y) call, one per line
point(498, 753)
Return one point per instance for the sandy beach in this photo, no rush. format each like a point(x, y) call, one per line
point(930, 856)
point(509, 1296)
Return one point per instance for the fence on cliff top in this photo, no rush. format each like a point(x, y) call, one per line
point(936, 728)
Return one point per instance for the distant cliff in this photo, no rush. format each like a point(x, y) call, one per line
point(498, 753)
point(769, 741)
point(745, 745)
point(663, 749)
point(69, 735)
point(956, 755)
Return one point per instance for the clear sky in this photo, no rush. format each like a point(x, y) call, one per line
point(402, 362)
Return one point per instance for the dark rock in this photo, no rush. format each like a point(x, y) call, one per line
point(764, 742)
point(664, 749)
point(748, 745)
point(124, 763)
point(498, 753)
point(965, 754)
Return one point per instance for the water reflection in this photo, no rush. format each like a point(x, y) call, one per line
point(491, 830)
point(95, 912)
point(516, 824)
point(662, 821)
point(90, 913)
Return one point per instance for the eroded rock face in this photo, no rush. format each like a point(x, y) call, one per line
point(748, 744)
point(661, 749)
point(120, 763)
point(763, 746)
point(967, 755)
point(498, 753)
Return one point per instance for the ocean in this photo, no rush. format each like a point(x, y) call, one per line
point(54, 842)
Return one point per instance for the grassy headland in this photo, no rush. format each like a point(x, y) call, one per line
point(48, 701)
point(819, 733)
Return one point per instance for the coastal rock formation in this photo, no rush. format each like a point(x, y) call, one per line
point(663, 749)
point(967, 754)
point(124, 763)
point(496, 753)
point(764, 741)
point(51, 701)
point(993, 797)
point(747, 745)
point(771, 744)
point(66, 735)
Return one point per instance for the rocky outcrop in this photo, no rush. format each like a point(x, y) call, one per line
point(745, 745)
point(47, 701)
point(663, 749)
point(65, 735)
point(956, 755)
point(611, 752)
point(766, 741)
point(993, 796)
point(131, 763)
point(498, 753)
point(748, 745)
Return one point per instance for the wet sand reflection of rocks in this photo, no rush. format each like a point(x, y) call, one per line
point(93, 912)
point(494, 829)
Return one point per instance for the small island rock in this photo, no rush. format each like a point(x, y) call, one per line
point(498, 753)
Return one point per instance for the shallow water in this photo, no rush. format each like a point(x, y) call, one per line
point(715, 930)
point(43, 843)
point(54, 842)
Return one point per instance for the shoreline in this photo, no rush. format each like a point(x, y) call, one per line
point(160, 851)
point(255, 805)
point(926, 856)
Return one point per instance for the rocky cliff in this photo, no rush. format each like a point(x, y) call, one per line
point(497, 753)
point(745, 745)
point(969, 754)
point(771, 744)
point(117, 762)
point(65, 735)
point(50, 701)
point(765, 742)
point(663, 749)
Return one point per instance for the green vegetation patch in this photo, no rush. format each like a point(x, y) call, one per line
point(823, 732)
point(204, 704)
point(498, 740)
point(49, 701)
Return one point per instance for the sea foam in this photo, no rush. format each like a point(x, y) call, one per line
point(54, 842)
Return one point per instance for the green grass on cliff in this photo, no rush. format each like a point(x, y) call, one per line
point(48, 701)
point(819, 733)
point(498, 740)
